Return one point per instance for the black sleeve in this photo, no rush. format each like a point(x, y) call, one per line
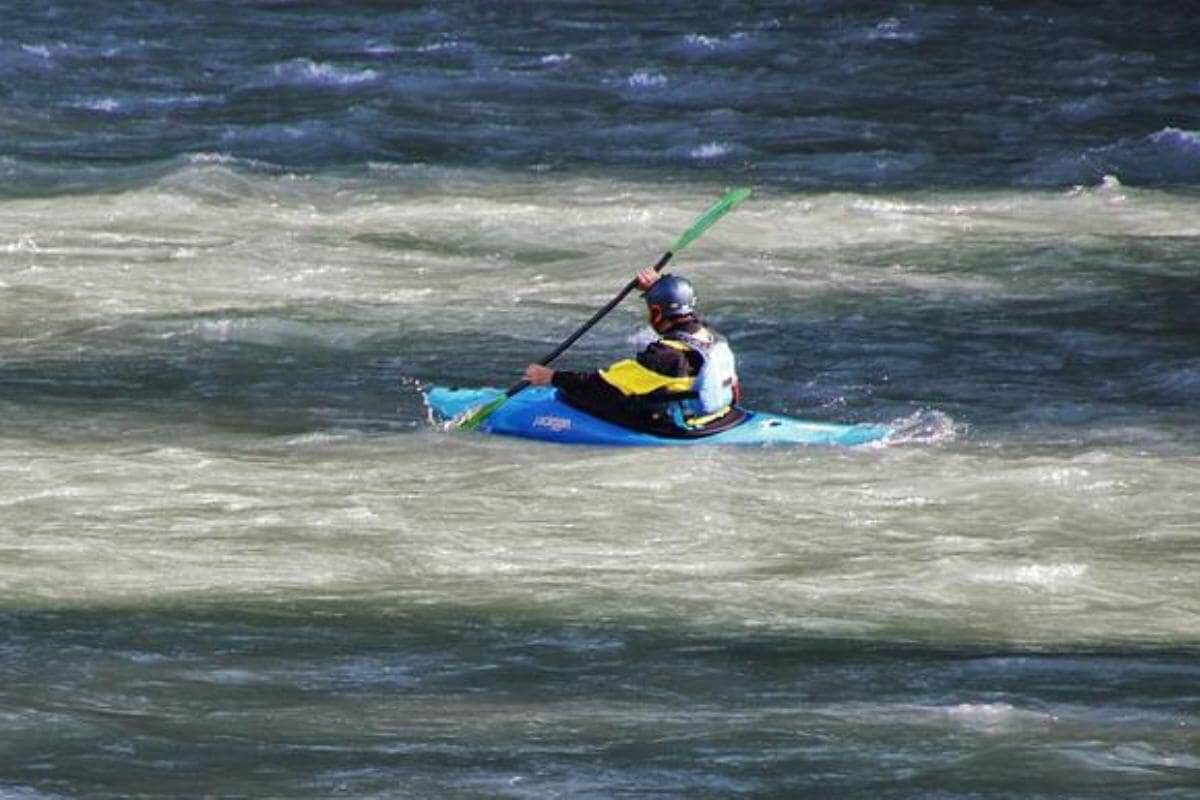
point(666, 360)
point(579, 382)
point(589, 392)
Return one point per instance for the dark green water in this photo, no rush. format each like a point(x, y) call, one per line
point(471, 704)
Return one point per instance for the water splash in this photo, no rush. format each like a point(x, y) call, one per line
point(926, 426)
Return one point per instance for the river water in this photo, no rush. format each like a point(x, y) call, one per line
point(238, 240)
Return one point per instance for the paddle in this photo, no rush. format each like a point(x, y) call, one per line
point(474, 418)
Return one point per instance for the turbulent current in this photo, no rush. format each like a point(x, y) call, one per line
point(236, 559)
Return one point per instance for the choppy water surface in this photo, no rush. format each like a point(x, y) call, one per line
point(235, 559)
point(811, 95)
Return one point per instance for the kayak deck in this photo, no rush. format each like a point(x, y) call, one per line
point(538, 413)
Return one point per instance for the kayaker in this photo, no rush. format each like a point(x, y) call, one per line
point(683, 384)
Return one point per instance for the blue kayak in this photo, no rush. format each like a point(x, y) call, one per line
point(538, 413)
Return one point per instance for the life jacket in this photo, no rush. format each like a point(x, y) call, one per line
point(691, 401)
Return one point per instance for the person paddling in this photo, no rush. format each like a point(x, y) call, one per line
point(684, 384)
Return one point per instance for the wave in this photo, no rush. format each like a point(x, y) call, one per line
point(1175, 383)
point(297, 142)
point(699, 41)
point(440, 46)
point(886, 31)
point(39, 50)
point(104, 105)
point(230, 160)
point(1085, 110)
point(735, 46)
point(304, 71)
point(1170, 156)
point(1038, 576)
point(647, 80)
point(890, 30)
point(991, 718)
point(711, 150)
point(715, 152)
point(863, 168)
point(140, 105)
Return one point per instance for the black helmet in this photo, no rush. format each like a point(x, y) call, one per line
point(673, 295)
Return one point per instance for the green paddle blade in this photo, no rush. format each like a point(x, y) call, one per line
point(719, 209)
point(475, 417)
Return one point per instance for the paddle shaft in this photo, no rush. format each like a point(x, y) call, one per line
point(587, 326)
point(474, 419)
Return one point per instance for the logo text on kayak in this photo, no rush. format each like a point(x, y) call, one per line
point(556, 424)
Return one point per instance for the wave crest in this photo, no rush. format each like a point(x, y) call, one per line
point(307, 71)
point(1168, 156)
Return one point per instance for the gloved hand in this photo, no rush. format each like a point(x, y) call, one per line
point(538, 375)
point(646, 278)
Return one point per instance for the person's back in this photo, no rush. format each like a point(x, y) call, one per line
point(684, 384)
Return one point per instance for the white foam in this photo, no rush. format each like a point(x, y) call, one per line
point(995, 717)
point(381, 49)
point(1043, 576)
point(306, 70)
point(891, 29)
point(24, 244)
point(1178, 137)
point(711, 150)
point(701, 40)
point(439, 46)
point(189, 100)
point(647, 80)
point(213, 158)
point(107, 105)
point(318, 438)
point(926, 426)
